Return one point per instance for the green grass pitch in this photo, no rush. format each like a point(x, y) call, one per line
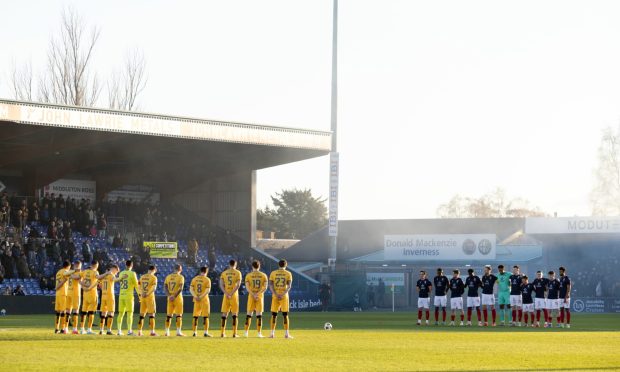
point(359, 341)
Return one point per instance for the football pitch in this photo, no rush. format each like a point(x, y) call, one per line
point(358, 341)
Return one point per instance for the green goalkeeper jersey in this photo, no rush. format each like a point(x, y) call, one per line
point(503, 281)
point(127, 284)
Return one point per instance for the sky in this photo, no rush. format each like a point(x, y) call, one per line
point(435, 98)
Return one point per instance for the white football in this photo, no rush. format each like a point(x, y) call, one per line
point(328, 326)
point(3, 312)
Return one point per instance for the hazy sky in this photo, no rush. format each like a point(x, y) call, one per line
point(435, 97)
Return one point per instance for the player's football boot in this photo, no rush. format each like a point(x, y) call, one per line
point(235, 335)
point(130, 333)
point(180, 334)
point(139, 333)
point(479, 324)
point(245, 334)
point(288, 336)
point(559, 325)
point(194, 334)
point(427, 323)
point(75, 332)
point(153, 334)
point(419, 323)
point(568, 326)
point(452, 324)
point(260, 335)
point(462, 323)
point(56, 331)
point(436, 323)
point(101, 331)
point(207, 335)
point(272, 336)
point(62, 332)
point(109, 333)
point(223, 335)
point(119, 333)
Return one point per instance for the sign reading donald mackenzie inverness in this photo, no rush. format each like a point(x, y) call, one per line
point(439, 247)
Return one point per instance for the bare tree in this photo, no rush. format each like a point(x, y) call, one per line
point(68, 78)
point(124, 87)
point(491, 205)
point(605, 195)
point(22, 82)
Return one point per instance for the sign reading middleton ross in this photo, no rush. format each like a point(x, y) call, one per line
point(439, 247)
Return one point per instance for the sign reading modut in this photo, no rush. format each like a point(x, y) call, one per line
point(439, 247)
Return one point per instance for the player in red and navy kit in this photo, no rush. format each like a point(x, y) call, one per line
point(515, 296)
point(527, 301)
point(441, 284)
point(472, 282)
point(540, 289)
point(553, 299)
point(424, 287)
point(457, 288)
point(565, 287)
point(488, 299)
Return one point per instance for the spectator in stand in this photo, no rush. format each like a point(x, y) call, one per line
point(62, 211)
point(8, 291)
point(92, 231)
point(117, 242)
point(41, 257)
point(87, 252)
point(2, 273)
point(22, 216)
point(55, 252)
point(192, 251)
point(4, 215)
point(91, 216)
point(52, 231)
point(66, 230)
point(35, 212)
point(102, 226)
point(9, 264)
point(45, 213)
point(19, 291)
point(212, 258)
point(22, 267)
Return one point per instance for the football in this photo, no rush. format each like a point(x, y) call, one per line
point(328, 326)
point(3, 312)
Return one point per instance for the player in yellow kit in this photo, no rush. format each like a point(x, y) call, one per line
point(89, 282)
point(200, 288)
point(256, 285)
point(173, 286)
point(62, 278)
point(230, 281)
point(280, 282)
point(128, 283)
point(108, 302)
point(147, 286)
point(74, 295)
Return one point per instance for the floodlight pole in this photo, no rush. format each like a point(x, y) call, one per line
point(334, 166)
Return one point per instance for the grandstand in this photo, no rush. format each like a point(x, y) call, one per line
point(199, 176)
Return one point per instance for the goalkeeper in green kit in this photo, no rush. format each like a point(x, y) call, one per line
point(503, 279)
point(128, 283)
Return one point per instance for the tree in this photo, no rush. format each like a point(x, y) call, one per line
point(68, 76)
point(491, 205)
point(295, 215)
point(605, 195)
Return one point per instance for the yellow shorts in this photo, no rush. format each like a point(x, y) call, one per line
point(175, 307)
point(107, 304)
point(202, 308)
point(73, 302)
point(257, 306)
point(61, 303)
point(89, 302)
point(147, 305)
point(279, 305)
point(230, 304)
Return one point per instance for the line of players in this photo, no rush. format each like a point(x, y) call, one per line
point(72, 282)
point(515, 292)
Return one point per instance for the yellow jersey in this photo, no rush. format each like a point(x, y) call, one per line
point(230, 278)
point(256, 282)
point(89, 277)
point(280, 278)
point(74, 286)
point(200, 285)
point(174, 282)
point(107, 285)
point(147, 283)
point(62, 275)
